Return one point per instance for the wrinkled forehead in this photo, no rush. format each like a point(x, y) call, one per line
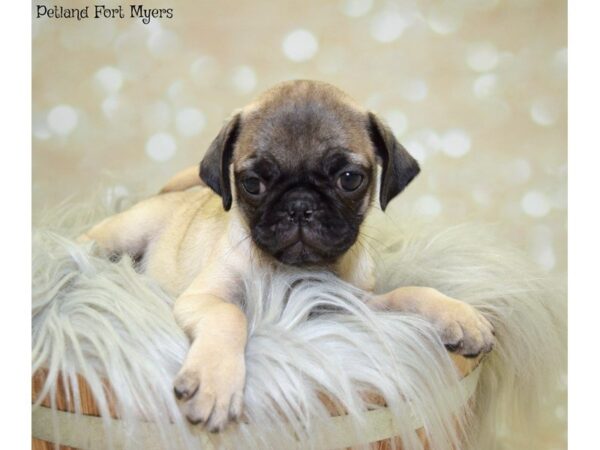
point(300, 133)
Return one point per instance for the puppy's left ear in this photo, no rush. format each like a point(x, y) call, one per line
point(398, 168)
point(214, 168)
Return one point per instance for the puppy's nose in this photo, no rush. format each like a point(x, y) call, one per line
point(300, 205)
point(300, 211)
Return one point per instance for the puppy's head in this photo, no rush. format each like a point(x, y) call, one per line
point(303, 159)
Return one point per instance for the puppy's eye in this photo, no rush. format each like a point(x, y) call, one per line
point(350, 181)
point(253, 185)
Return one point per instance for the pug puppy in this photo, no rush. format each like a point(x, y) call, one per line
point(288, 181)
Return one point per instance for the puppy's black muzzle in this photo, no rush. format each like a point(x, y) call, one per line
point(303, 228)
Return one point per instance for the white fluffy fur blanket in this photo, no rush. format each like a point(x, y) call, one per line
point(106, 321)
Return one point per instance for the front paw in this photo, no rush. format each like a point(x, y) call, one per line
point(463, 329)
point(210, 386)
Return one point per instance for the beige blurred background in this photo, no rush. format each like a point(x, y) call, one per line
point(475, 89)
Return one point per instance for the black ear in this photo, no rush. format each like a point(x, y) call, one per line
point(214, 168)
point(398, 168)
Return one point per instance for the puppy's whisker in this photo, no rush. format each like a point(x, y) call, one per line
point(376, 251)
point(374, 244)
point(371, 251)
point(371, 238)
point(237, 245)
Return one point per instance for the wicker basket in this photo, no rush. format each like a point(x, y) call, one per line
point(86, 431)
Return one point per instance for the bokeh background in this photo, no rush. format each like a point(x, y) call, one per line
point(475, 90)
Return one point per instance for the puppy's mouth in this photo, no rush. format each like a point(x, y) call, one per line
point(299, 251)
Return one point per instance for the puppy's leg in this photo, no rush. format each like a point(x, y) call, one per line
point(461, 327)
point(183, 180)
point(211, 380)
point(131, 230)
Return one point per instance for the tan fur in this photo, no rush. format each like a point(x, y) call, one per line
point(198, 252)
point(186, 179)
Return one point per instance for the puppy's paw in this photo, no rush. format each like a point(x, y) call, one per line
point(462, 328)
point(210, 388)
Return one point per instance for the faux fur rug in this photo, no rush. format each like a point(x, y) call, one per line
point(307, 333)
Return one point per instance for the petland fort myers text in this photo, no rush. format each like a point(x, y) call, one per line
point(104, 12)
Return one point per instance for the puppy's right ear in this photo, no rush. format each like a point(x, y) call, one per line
point(214, 168)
